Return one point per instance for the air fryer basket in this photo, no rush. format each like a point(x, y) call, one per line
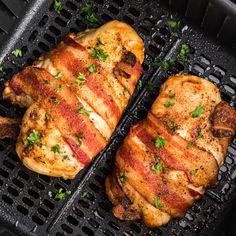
point(26, 205)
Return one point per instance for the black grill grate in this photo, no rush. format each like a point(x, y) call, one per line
point(26, 204)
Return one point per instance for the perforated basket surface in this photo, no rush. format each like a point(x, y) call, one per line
point(26, 205)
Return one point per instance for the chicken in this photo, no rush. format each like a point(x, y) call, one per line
point(75, 95)
point(9, 128)
point(168, 160)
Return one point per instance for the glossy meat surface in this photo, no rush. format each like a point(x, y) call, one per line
point(76, 94)
point(168, 160)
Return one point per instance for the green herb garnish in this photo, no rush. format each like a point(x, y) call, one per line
point(85, 194)
point(57, 6)
point(47, 116)
point(174, 128)
point(199, 133)
point(184, 50)
point(169, 104)
point(65, 157)
point(45, 81)
point(92, 68)
point(157, 167)
point(170, 121)
point(80, 78)
point(99, 42)
point(79, 137)
point(17, 52)
point(160, 142)
point(58, 88)
point(55, 149)
point(197, 112)
point(32, 138)
point(139, 86)
point(88, 10)
point(173, 24)
point(57, 101)
point(99, 53)
point(193, 172)
point(122, 176)
point(172, 96)
point(60, 194)
point(188, 147)
point(166, 64)
point(83, 111)
point(157, 203)
point(58, 75)
point(2, 69)
point(150, 86)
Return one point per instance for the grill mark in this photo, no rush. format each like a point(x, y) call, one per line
point(169, 197)
point(79, 153)
point(65, 110)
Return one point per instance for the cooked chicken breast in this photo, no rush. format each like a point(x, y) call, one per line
point(75, 96)
point(168, 160)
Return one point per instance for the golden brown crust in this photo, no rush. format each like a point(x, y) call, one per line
point(9, 128)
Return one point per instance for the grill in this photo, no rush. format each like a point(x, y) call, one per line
point(26, 205)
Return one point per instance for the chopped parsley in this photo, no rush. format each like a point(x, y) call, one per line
point(88, 11)
point(150, 86)
point(139, 86)
point(157, 167)
point(184, 50)
point(80, 78)
point(58, 88)
point(197, 112)
point(122, 176)
point(79, 137)
point(60, 194)
point(173, 24)
point(172, 96)
point(193, 172)
point(65, 157)
point(124, 91)
point(170, 121)
point(169, 104)
point(2, 69)
point(175, 34)
point(56, 149)
point(47, 116)
point(92, 68)
point(99, 53)
point(188, 147)
point(83, 111)
point(165, 64)
point(99, 42)
point(157, 203)
point(58, 75)
point(174, 128)
point(85, 194)
point(199, 133)
point(45, 81)
point(17, 52)
point(57, 6)
point(160, 142)
point(57, 101)
point(32, 138)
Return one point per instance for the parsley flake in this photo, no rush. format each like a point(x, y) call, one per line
point(169, 104)
point(172, 96)
point(157, 203)
point(57, 6)
point(99, 53)
point(2, 69)
point(157, 167)
point(58, 75)
point(32, 138)
point(139, 86)
point(169, 121)
point(174, 128)
point(17, 52)
point(197, 112)
point(80, 78)
point(65, 157)
point(160, 142)
point(88, 11)
point(60, 194)
point(199, 133)
point(165, 64)
point(122, 176)
point(57, 101)
point(92, 68)
point(58, 88)
point(173, 24)
point(85, 194)
point(47, 116)
point(56, 149)
point(188, 147)
point(184, 50)
point(79, 137)
point(83, 111)
point(45, 81)
point(193, 172)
